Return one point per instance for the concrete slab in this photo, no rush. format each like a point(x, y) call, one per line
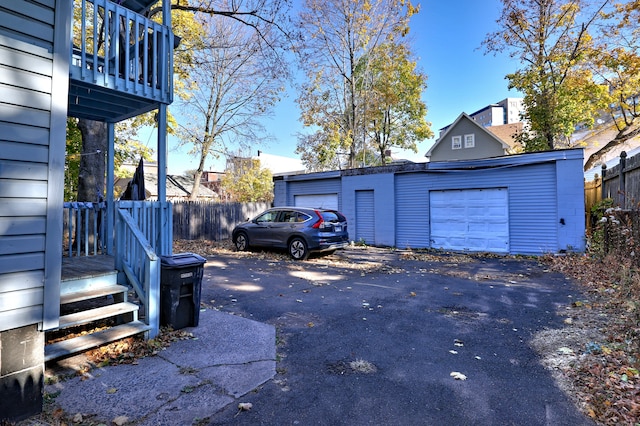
point(189, 381)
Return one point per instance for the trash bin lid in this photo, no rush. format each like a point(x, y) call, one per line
point(182, 260)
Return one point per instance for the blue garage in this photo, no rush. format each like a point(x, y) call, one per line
point(518, 204)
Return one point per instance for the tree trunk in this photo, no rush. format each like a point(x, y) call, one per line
point(91, 178)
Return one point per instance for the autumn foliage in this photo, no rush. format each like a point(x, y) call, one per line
point(606, 374)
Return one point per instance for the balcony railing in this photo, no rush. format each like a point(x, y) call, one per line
point(116, 48)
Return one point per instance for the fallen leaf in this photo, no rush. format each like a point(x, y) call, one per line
point(77, 418)
point(458, 376)
point(112, 390)
point(412, 294)
point(245, 406)
point(120, 420)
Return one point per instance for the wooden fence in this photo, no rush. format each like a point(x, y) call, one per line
point(621, 183)
point(202, 220)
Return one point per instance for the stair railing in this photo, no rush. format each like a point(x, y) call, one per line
point(142, 230)
point(137, 259)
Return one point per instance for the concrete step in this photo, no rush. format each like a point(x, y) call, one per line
point(96, 314)
point(94, 293)
point(93, 340)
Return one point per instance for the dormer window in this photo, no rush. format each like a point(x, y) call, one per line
point(456, 142)
point(469, 141)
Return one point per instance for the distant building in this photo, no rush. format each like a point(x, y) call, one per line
point(276, 164)
point(507, 111)
point(279, 165)
point(177, 187)
point(466, 139)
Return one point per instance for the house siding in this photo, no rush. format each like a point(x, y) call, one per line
point(34, 73)
point(486, 144)
point(26, 70)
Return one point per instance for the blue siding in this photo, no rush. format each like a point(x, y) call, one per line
point(382, 185)
point(34, 46)
point(279, 193)
point(313, 187)
point(533, 209)
point(545, 202)
point(570, 199)
point(532, 201)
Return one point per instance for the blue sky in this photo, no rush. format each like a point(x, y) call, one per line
point(447, 37)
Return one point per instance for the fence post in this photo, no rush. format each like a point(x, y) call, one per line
point(622, 185)
point(603, 191)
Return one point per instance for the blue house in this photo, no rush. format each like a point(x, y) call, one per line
point(92, 59)
point(517, 204)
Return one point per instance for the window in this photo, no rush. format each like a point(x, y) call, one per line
point(469, 141)
point(287, 216)
point(269, 216)
point(456, 142)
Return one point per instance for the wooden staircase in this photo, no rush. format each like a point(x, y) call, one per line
point(94, 309)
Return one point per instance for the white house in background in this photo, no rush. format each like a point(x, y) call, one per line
point(279, 165)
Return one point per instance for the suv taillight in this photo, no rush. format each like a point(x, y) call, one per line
point(320, 221)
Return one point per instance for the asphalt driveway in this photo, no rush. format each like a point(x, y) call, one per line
point(371, 337)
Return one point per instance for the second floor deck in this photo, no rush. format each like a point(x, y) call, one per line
point(121, 62)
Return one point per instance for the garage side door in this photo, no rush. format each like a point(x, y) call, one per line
point(324, 201)
point(470, 219)
point(365, 217)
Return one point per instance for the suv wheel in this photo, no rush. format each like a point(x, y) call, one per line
point(242, 241)
point(298, 249)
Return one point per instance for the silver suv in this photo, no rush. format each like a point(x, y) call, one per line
point(299, 230)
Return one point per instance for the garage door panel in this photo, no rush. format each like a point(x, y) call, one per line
point(324, 201)
point(470, 220)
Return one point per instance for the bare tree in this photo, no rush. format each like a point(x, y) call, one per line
point(234, 83)
point(268, 19)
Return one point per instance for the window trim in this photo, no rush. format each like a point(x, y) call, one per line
point(456, 142)
point(472, 143)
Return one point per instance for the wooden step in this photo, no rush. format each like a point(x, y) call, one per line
point(90, 341)
point(102, 312)
point(88, 281)
point(94, 293)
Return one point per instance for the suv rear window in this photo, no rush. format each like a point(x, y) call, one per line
point(332, 216)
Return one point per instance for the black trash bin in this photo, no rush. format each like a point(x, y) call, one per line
point(180, 287)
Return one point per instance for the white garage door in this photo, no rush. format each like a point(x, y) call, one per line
point(470, 220)
point(325, 201)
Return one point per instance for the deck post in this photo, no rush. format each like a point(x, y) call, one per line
point(110, 183)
